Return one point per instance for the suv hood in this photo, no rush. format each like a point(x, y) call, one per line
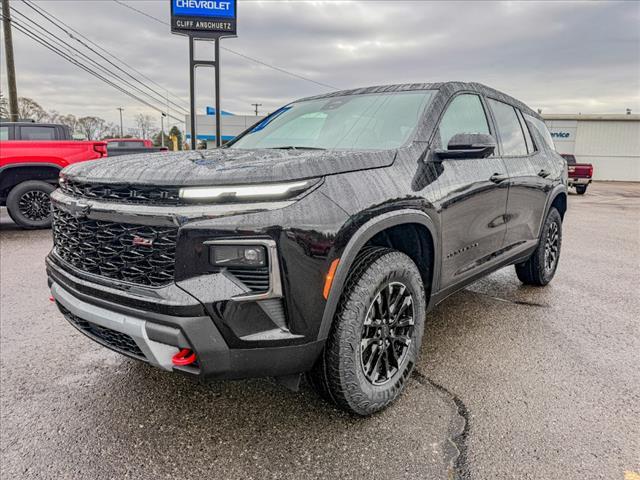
point(225, 166)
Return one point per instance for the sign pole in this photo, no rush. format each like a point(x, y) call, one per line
point(217, 80)
point(192, 95)
point(210, 20)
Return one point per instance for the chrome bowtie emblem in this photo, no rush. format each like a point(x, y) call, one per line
point(78, 209)
point(142, 242)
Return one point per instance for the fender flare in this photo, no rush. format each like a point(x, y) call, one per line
point(555, 192)
point(365, 233)
point(30, 164)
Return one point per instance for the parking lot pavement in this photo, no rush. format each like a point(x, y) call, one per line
point(514, 382)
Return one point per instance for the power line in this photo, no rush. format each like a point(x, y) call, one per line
point(246, 57)
point(40, 10)
point(43, 41)
point(73, 52)
point(107, 52)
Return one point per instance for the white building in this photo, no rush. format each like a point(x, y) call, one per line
point(231, 126)
point(610, 142)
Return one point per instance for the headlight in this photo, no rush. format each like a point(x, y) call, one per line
point(238, 256)
point(265, 190)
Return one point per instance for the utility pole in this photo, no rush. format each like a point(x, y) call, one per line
point(121, 132)
point(11, 67)
point(162, 129)
point(256, 105)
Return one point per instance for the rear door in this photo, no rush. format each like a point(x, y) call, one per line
point(529, 174)
point(474, 195)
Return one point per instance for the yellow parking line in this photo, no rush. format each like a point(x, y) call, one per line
point(631, 475)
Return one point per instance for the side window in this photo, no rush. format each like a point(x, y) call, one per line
point(542, 130)
point(464, 115)
point(511, 136)
point(37, 133)
point(527, 135)
point(4, 132)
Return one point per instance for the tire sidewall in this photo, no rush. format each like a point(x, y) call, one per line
point(13, 200)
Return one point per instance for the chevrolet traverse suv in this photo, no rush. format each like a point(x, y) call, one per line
point(315, 242)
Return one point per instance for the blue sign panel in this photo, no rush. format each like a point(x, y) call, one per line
point(204, 8)
point(204, 18)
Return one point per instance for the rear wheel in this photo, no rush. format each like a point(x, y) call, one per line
point(541, 267)
point(376, 335)
point(29, 205)
point(581, 189)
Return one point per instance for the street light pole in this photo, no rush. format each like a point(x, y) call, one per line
point(121, 132)
point(11, 67)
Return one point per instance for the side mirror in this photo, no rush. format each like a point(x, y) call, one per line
point(468, 145)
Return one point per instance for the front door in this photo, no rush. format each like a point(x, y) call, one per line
point(473, 196)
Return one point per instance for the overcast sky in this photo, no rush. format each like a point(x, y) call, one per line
point(560, 57)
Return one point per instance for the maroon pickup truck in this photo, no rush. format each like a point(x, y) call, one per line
point(31, 157)
point(580, 174)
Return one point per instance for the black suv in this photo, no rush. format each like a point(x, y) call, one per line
point(315, 242)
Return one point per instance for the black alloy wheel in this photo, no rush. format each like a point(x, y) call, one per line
point(551, 247)
point(35, 205)
point(387, 333)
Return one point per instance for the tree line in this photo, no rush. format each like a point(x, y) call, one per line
point(92, 127)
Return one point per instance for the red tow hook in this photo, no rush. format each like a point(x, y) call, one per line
point(51, 299)
point(184, 357)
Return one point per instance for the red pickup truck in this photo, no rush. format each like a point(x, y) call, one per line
point(31, 157)
point(580, 174)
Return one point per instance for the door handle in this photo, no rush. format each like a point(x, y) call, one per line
point(498, 177)
point(543, 173)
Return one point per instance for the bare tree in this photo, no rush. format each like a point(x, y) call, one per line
point(93, 128)
point(145, 125)
point(4, 107)
point(111, 130)
point(30, 109)
point(69, 120)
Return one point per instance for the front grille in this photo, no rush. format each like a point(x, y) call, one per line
point(255, 279)
point(108, 249)
point(118, 341)
point(122, 192)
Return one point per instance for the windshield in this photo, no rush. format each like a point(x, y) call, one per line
point(375, 121)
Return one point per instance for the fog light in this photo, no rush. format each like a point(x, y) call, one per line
point(238, 256)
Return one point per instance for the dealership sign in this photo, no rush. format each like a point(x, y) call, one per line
point(204, 18)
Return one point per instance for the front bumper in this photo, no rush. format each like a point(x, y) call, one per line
point(158, 336)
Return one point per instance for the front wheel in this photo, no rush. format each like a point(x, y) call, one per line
point(581, 189)
point(376, 334)
point(541, 267)
point(28, 204)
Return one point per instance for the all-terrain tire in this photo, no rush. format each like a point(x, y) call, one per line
point(339, 374)
point(581, 189)
point(28, 204)
point(540, 268)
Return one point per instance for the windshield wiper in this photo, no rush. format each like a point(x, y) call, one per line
point(292, 147)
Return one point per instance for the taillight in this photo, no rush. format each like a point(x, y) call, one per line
point(591, 170)
point(101, 148)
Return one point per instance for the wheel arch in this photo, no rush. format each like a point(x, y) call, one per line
point(384, 230)
point(12, 175)
point(557, 198)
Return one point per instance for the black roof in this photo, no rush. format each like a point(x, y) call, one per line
point(452, 86)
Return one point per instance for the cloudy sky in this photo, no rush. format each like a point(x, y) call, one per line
point(562, 57)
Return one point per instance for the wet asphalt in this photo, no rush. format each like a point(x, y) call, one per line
point(514, 382)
